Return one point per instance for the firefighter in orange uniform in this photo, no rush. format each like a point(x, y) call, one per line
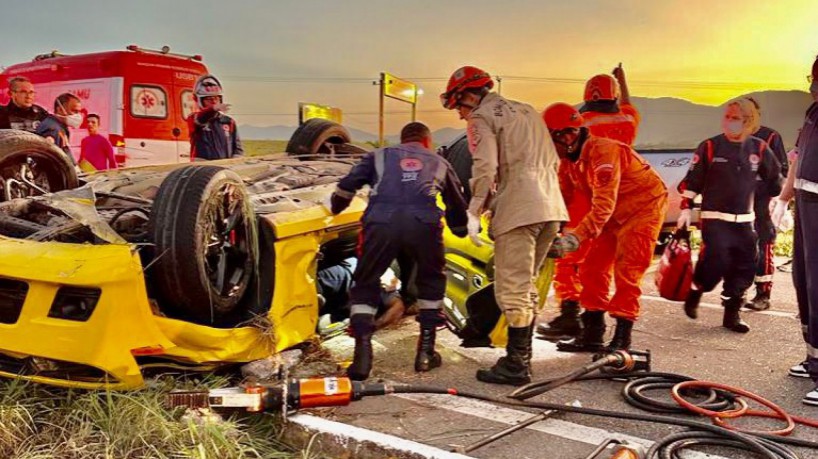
point(607, 112)
point(628, 205)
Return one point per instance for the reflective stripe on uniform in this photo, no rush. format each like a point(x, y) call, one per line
point(380, 160)
point(741, 218)
point(340, 192)
point(689, 194)
point(430, 304)
point(767, 278)
point(609, 119)
point(440, 173)
point(362, 309)
point(806, 185)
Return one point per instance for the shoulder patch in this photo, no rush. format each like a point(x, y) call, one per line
point(474, 137)
point(603, 174)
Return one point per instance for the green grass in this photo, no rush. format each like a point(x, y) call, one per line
point(263, 147)
point(39, 422)
point(782, 248)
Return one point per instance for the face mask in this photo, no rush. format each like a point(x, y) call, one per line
point(74, 120)
point(733, 127)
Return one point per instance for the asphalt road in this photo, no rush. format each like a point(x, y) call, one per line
point(757, 361)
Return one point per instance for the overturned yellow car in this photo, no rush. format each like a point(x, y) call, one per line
point(192, 265)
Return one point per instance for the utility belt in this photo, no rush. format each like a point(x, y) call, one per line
point(733, 218)
point(806, 185)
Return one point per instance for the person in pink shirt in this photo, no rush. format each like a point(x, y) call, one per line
point(96, 149)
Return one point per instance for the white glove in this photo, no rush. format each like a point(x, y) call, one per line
point(787, 221)
point(778, 208)
point(473, 227)
point(327, 202)
point(224, 108)
point(684, 219)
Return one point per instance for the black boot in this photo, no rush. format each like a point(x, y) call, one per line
point(472, 336)
point(761, 302)
point(515, 368)
point(565, 326)
point(622, 336)
point(692, 303)
point(426, 357)
point(363, 326)
point(732, 320)
point(591, 336)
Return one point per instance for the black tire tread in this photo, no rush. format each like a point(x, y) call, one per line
point(306, 140)
point(175, 217)
point(14, 141)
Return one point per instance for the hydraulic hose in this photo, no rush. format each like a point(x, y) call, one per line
point(776, 412)
point(671, 446)
point(639, 382)
point(750, 443)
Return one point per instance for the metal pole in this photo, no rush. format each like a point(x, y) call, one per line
point(505, 432)
point(381, 96)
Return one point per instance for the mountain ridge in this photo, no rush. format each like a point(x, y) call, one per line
point(667, 122)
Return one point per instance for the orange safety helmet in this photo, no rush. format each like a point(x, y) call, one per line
point(561, 116)
point(461, 79)
point(601, 87)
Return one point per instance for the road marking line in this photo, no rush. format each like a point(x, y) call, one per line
point(386, 441)
point(509, 416)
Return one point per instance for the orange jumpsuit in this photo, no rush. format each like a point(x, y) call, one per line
point(622, 126)
point(628, 205)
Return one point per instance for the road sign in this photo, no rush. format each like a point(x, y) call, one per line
point(399, 89)
point(307, 111)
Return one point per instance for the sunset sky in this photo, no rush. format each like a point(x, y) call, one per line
point(271, 55)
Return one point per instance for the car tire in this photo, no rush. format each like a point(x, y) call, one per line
point(50, 167)
point(206, 243)
point(319, 138)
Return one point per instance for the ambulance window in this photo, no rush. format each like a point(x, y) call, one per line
point(149, 102)
point(188, 104)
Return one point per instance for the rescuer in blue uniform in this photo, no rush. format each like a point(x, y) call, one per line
point(765, 268)
point(802, 183)
point(724, 171)
point(213, 135)
point(402, 216)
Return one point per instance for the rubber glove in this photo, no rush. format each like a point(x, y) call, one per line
point(684, 219)
point(778, 209)
point(473, 227)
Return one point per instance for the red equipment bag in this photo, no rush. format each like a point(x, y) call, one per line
point(675, 274)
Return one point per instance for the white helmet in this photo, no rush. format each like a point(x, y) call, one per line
point(207, 86)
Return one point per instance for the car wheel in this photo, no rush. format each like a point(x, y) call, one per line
point(206, 246)
point(30, 166)
point(319, 138)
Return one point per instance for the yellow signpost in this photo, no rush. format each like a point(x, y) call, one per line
point(398, 89)
point(308, 111)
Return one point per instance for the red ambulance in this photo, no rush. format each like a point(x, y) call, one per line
point(143, 97)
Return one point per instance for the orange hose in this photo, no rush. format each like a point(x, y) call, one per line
point(719, 417)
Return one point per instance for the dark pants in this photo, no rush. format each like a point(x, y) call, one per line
point(421, 242)
point(765, 267)
point(805, 272)
point(728, 253)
